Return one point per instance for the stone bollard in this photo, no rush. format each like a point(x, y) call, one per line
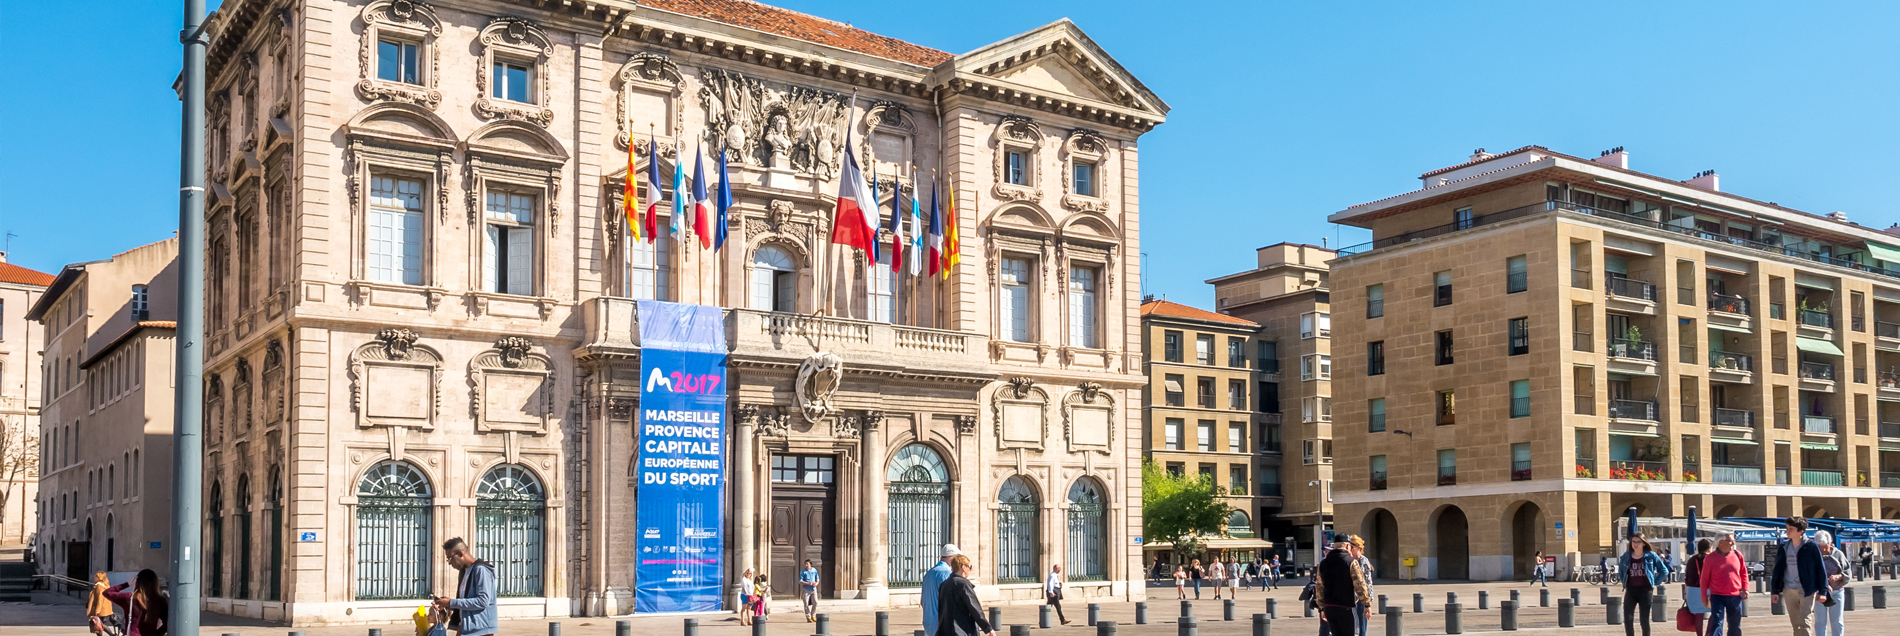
point(1273, 609)
point(1046, 617)
point(1543, 597)
point(291, 634)
point(884, 622)
point(1515, 599)
point(1454, 618)
point(623, 628)
point(1775, 608)
point(1095, 614)
point(1018, 630)
point(824, 624)
point(1418, 603)
point(1604, 598)
point(1227, 609)
point(554, 629)
point(1566, 613)
point(372, 632)
point(1262, 625)
point(1760, 586)
point(1309, 609)
point(1507, 616)
point(1659, 607)
point(1847, 600)
point(1187, 627)
point(1382, 604)
point(1451, 597)
point(758, 625)
point(1187, 609)
point(1394, 623)
point(1576, 597)
point(1105, 628)
point(692, 627)
point(996, 616)
point(1484, 600)
point(1613, 611)
point(1880, 597)
point(1141, 613)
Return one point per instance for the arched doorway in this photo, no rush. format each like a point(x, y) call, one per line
point(1382, 542)
point(1814, 512)
point(394, 514)
point(1527, 539)
point(1016, 536)
point(1452, 544)
point(510, 521)
point(1088, 531)
point(918, 514)
point(1731, 510)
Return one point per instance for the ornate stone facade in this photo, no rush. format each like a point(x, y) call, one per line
point(452, 232)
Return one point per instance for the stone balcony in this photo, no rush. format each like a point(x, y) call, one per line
point(772, 338)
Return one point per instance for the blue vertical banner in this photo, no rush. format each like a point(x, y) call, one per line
point(680, 514)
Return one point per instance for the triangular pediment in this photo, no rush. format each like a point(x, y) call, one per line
point(1059, 60)
point(1052, 73)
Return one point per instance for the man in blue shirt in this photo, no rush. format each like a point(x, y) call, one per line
point(933, 580)
point(808, 584)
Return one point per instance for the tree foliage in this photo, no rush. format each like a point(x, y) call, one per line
point(1177, 509)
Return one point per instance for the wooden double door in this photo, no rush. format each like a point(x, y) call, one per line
point(804, 524)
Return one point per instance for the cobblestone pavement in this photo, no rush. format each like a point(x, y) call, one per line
point(55, 616)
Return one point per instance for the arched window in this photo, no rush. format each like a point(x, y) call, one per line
point(110, 543)
point(1016, 532)
point(510, 524)
point(214, 543)
point(276, 494)
point(243, 506)
point(393, 519)
point(774, 280)
point(1238, 525)
point(1088, 532)
point(918, 518)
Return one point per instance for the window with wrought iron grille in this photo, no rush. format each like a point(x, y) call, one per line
point(511, 528)
point(1016, 532)
point(918, 513)
point(804, 469)
point(1088, 531)
point(394, 516)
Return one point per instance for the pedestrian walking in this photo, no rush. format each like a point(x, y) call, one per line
point(1692, 584)
point(1827, 615)
point(1357, 548)
point(956, 598)
point(1340, 588)
point(1180, 582)
point(1724, 586)
point(147, 611)
point(1866, 559)
point(1642, 572)
point(1273, 572)
point(762, 592)
point(100, 617)
point(1249, 569)
point(472, 612)
point(808, 589)
point(1195, 573)
point(1052, 589)
point(1540, 573)
point(1217, 574)
point(1233, 578)
point(1799, 579)
point(745, 597)
point(934, 579)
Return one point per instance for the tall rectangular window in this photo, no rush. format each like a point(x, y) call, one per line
point(1521, 461)
point(1237, 479)
point(1206, 440)
point(1236, 437)
point(1237, 395)
point(508, 257)
point(395, 230)
point(1443, 355)
point(1520, 336)
point(1520, 398)
point(1204, 389)
point(514, 81)
point(1517, 275)
point(1377, 464)
point(1268, 357)
point(882, 289)
point(1204, 349)
point(1316, 325)
point(1236, 352)
point(396, 61)
point(1375, 301)
point(1016, 167)
point(1316, 367)
point(1082, 313)
point(1015, 297)
point(649, 272)
point(1447, 407)
point(1441, 289)
point(1176, 394)
point(1085, 178)
point(1375, 415)
point(1173, 433)
point(1447, 467)
point(1375, 358)
point(1171, 346)
point(141, 304)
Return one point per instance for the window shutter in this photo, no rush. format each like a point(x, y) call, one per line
point(381, 252)
point(521, 260)
point(491, 260)
point(411, 245)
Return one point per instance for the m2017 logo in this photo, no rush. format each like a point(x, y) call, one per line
point(678, 382)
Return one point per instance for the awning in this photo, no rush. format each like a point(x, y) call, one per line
point(1884, 252)
point(1717, 325)
point(1724, 440)
point(1173, 386)
point(1817, 345)
point(1632, 434)
point(1814, 446)
point(1215, 544)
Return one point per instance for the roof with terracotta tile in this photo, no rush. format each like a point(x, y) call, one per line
point(1177, 310)
point(792, 24)
point(10, 273)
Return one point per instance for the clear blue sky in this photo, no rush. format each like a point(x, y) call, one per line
point(1283, 112)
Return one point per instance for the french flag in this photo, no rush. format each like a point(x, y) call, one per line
point(854, 221)
point(897, 224)
point(935, 238)
point(654, 191)
point(701, 212)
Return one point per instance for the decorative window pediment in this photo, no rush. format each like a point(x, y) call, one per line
point(241, 396)
point(273, 378)
point(214, 410)
point(511, 388)
point(643, 79)
point(1021, 410)
point(1084, 168)
point(407, 30)
point(396, 382)
point(514, 51)
point(1088, 419)
point(1017, 139)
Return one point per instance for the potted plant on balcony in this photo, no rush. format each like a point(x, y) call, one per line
point(1585, 473)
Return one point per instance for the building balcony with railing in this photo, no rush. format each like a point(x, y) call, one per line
point(1639, 471)
point(1630, 288)
point(1886, 330)
point(1890, 430)
point(1632, 349)
point(1378, 480)
point(1818, 371)
point(1728, 304)
point(1889, 480)
point(1639, 410)
point(1815, 477)
point(612, 327)
point(1736, 474)
point(1586, 467)
point(1818, 425)
point(1731, 361)
point(1733, 418)
point(1520, 470)
point(1887, 380)
point(1814, 318)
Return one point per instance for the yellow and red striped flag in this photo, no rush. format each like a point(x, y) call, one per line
point(629, 198)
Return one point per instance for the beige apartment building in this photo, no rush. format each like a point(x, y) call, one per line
point(106, 482)
point(1287, 294)
point(422, 300)
point(20, 345)
point(1540, 342)
point(1200, 415)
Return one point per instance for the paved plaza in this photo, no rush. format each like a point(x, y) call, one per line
point(55, 616)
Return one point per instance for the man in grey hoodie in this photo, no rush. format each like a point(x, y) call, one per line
point(472, 611)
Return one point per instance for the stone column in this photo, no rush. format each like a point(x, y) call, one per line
point(870, 530)
point(745, 503)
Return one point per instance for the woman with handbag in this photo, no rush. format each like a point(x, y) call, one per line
point(100, 617)
point(1827, 615)
point(1693, 610)
point(147, 611)
point(1052, 589)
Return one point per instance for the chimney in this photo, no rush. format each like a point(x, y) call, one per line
point(1480, 155)
point(3, 257)
point(1838, 216)
point(1707, 179)
point(1614, 157)
point(1438, 181)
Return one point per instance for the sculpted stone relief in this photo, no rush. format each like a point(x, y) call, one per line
point(774, 126)
point(409, 18)
point(818, 379)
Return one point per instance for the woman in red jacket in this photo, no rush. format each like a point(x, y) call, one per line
point(1724, 583)
point(146, 609)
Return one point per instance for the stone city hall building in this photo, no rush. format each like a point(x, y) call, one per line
point(421, 315)
point(1535, 343)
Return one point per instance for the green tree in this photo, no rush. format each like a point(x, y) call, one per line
point(1177, 509)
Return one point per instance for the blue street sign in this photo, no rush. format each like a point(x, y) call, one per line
point(307, 537)
point(157, 544)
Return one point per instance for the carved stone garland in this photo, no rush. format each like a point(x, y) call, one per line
point(506, 372)
point(414, 20)
point(758, 123)
point(1017, 392)
point(395, 352)
point(1085, 397)
point(521, 39)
